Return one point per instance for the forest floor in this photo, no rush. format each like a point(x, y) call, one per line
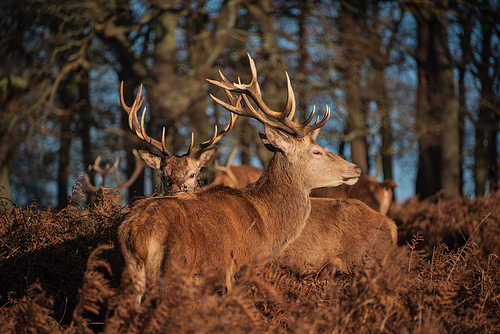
point(60, 273)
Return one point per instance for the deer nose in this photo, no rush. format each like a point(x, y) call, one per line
point(358, 170)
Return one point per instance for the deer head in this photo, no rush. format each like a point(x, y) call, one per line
point(178, 173)
point(287, 136)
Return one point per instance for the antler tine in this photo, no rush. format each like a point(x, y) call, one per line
point(225, 130)
point(318, 124)
point(216, 137)
point(227, 168)
point(91, 189)
point(314, 134)
point(245, 108)
point(285, 118)
point(139, 128)
point(231, 157)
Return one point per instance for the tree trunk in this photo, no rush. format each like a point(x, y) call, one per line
point(5, 191)
point(437, 113)
point(462, 108)
point(7, 130)
point(67, 92)
point(351, 60)
point(486, 127)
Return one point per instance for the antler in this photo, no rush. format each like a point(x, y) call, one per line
point(140, 131)
point(104, 173)
point(139, 166)
point(227, 167)
point(217, 136)
point(285, 118)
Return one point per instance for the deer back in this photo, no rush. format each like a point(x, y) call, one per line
point(340, 235)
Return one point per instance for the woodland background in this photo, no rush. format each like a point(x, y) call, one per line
point(413, 84)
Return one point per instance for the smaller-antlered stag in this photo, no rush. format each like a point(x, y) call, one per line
point(178, 173)
point(213, 232)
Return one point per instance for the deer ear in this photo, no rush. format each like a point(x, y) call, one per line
point(266, 142)
point(275, 139)
point(206, 156)
point(151, 159)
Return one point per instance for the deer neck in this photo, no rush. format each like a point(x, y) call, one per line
point(283, 201)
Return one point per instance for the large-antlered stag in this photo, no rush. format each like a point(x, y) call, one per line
point(221, 228)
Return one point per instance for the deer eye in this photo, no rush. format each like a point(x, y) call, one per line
point(316, 152)
point(192, 175)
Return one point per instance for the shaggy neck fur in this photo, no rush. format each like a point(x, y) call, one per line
point(283, 197)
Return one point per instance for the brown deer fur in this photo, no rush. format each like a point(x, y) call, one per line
point(340, 235)
point(377, 195)
point(243, 175)
point(178, 173)
point(225, 228)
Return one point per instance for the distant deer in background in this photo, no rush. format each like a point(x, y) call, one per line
point(108, 169)
point(178, 173)
point(221, 228)
point(236, 176)
point(377, 195)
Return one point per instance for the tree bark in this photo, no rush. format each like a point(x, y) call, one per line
point(67, 92)
point(437, 113)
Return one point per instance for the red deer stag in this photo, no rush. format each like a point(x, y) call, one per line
point(178, 172)
point(235, 176)
point(340, 235)
point(222, 228)
point(104, 172)
point(377, 195)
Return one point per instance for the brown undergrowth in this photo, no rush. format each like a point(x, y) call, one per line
point(60, 274)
